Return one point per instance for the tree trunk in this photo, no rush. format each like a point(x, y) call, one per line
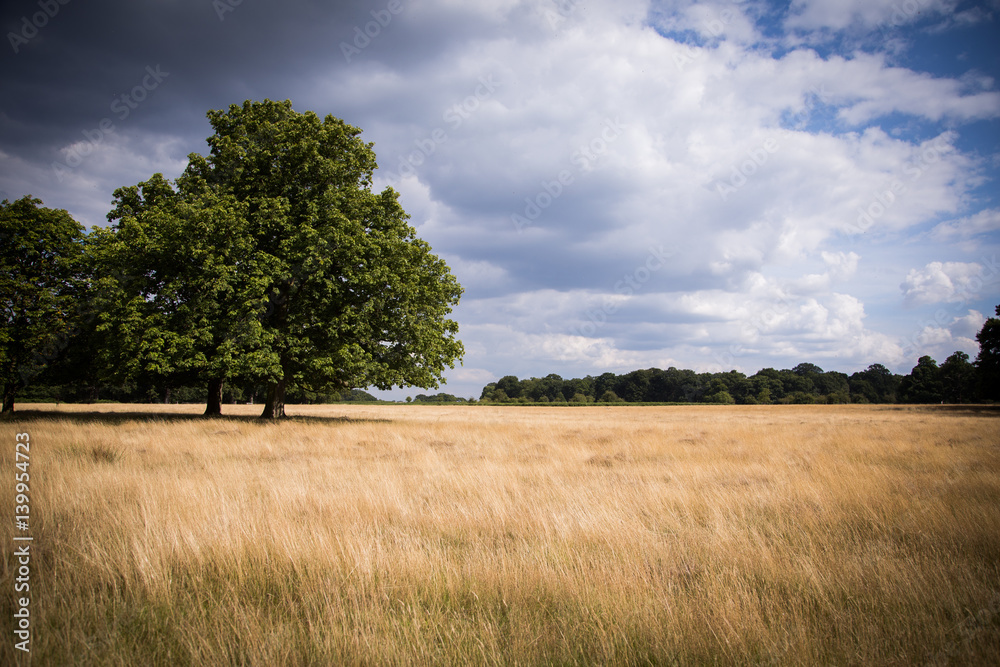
point(9, 391)
point(274, 407)
point(214, 407)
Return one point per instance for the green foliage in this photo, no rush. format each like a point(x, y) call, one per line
point(40, 290)
point(723, 397)
point(958, 379)
point(510, 386)
point(610, 397)
point(353, 297)
point(876, 384)
point(804, 384)
point(801, 398)
point(988, 361)
point(923, 384)
point(489, 391)
point(438, 398)
point(180, 286)
point(357, 396)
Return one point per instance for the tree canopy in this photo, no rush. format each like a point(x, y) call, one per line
point(988, 361)
point(271, 258)
point(353, 298)
point(40, 289)
point(179, 287)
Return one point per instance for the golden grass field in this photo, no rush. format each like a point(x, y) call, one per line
point(392, 535)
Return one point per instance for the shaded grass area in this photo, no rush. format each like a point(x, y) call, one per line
point(117, 418)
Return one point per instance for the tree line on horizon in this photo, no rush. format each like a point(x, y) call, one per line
point(957, 380)
point(268, 271)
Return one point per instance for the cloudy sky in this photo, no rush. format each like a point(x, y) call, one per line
point(617, 185)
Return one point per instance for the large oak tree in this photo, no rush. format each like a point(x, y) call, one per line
point(343, 292)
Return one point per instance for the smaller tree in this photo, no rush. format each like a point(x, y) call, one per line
point(487, 393)
point(862, 390)
point(807, 369)
point(988, 360)
point(923, 384)
point(875, 384)
point(510, 386)
point(610, 397)
point(958, 378)
point(883, 382)
point(180, 287)
point(723, 397)
point(40, 289)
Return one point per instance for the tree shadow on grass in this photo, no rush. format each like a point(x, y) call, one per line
point(958, 410)
point(28, 415)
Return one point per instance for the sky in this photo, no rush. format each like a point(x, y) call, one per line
point(617, 185)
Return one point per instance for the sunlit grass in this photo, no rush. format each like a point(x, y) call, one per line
point(503, 535)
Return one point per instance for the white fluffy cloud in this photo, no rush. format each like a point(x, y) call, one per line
point(719, 163)
point(82, 170)
point(942, 333)
point(942, 281)
point(982, 223)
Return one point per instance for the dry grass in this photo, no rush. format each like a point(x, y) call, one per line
point(503, 535)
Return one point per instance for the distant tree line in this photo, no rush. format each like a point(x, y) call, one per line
point(437, 399)
point(957, 380)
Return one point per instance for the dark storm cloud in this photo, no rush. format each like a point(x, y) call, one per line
point(77, 68)
point(82, 65)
